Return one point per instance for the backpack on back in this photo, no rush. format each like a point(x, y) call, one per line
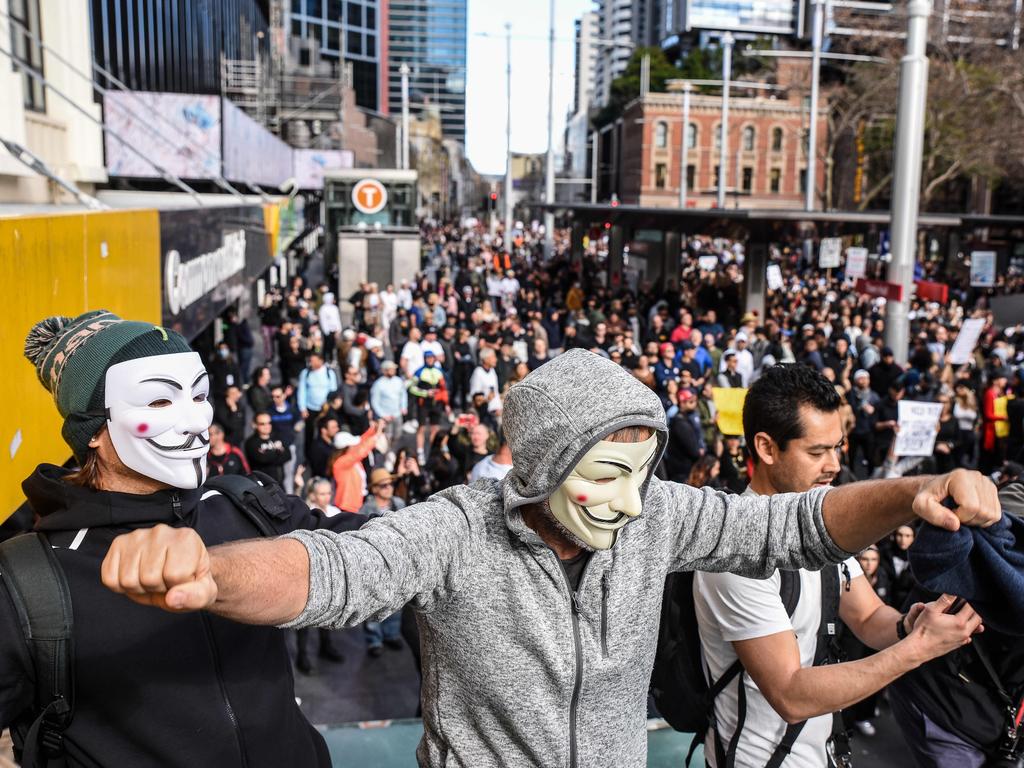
point(681, 691)
point(37, 586)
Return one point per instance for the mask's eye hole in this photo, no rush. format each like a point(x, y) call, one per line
point(200, 398)
point(161, 403)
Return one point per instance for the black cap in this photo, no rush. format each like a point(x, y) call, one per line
point(430, 329)
point(887, 352)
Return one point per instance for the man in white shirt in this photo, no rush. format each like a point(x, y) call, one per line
point(404, 295)
point(744, 359)
point(792, 424)
point(485, 380)
point(412, 353)
point(431, 344)
point(329, 318)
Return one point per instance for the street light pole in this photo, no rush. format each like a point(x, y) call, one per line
point(812, 131)
point(723, 155)
point(508, 137)
point(684, 151)
point(593, 166)
point(906, 187)
point(549, 163)
point(404, 70)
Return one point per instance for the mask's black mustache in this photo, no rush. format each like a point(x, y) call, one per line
point(189, 443)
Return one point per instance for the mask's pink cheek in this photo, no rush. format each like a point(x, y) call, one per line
point(581, 497)
point(142, 429)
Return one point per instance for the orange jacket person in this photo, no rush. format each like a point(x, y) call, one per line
point(346, 467)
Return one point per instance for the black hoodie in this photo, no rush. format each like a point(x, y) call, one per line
point(154, 688)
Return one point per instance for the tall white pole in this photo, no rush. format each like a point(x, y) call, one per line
point(404, 70)
point(906, 186)
point(812, 130)
point(549, 161)
point(684, 150)
point(594, 159)
point(723, 155)
point(508, 137)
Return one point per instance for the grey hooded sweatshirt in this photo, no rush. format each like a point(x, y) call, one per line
point(519, 670)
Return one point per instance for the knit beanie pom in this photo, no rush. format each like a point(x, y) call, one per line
point(42, 336)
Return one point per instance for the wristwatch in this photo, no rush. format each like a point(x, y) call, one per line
point(901, 627)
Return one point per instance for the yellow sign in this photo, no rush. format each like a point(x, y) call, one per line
point(729, 403)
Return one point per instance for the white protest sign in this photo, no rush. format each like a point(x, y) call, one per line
point(775, 282)
point(983, 269)
point(830, 252)
point(708, 263)
point(966, 341)
point(918, 425)
point(856, 262)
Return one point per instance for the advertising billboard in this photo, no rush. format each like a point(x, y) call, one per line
point(310, 165)
point(778, 17)
point(184, 140)
point(252, 154)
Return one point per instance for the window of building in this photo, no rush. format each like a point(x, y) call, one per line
point(718, 136)
point(353, 43)
point(661, 135)
point(718, 173)
point(748, 179)
point(28, 52)
point(776, 180)
point(333, 39)
point(803, 181)
point(691, 136)
point(691, 176)
point(334, 10)
point(749, 136)
point(371, 17)
point(776, 139)
point(660, 175)
point(354, 14)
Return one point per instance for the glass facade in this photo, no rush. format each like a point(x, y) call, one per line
point(429, 36)
point(345, 27)
point(769, 16)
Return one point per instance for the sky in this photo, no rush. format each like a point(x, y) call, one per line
point(485, 76)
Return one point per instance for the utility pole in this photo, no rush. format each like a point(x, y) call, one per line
point(549, 163)
point(684, 150)
point(906, 186)
point(812, 130)
point(594, 159)
point(404, 71)
point(723, 155)
point(508, 137)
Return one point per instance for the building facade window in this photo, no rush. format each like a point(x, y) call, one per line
point(776, 181)
point(749, 137)
point(803, 181)
point(718, 135)
point(691, 176)
point(748, 179)
point(691, 136)
point(660, 175)
point(27, 51)
point(660, 135)
point(776, 139)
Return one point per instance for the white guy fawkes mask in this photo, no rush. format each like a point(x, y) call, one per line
point(159, 416)
point(602, 493)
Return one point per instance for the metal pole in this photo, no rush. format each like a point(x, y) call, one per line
point(594, 159)
point(906, 187)
point(508, 136)
point(404, 70)
point(684, 151)
point(549, 162)
point(812, 130)
point(723, 155)
point(1016, 24)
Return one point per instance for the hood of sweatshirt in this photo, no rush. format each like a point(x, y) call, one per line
point(61, 506)
point(557, 413)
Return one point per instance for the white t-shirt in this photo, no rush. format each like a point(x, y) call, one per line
point(432, 346)
point(488, 467)
point(731, 608)
point(413, 353)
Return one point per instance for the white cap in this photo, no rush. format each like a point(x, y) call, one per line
point(861, 373)
point(345, 440)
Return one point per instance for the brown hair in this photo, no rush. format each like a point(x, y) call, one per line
point(88, 475)
point(630, 435)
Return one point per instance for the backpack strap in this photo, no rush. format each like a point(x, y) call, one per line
point(256, 496)
point(42, 599)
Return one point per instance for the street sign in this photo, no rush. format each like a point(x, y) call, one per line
point(856, 262)
point(830, 253)
point(369, 196)
point(881, 289)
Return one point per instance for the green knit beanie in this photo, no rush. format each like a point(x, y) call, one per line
point(72, 356)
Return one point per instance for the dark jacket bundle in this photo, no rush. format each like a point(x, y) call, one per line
point(153, 688)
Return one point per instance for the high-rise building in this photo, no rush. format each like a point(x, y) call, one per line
point(577, 126)
point(586, 49)
point(622, 27)
point(429, 36)
point(355, 29)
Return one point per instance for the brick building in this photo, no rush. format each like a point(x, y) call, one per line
point(766, 158)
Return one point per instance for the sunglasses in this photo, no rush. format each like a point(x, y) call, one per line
point(388, 484)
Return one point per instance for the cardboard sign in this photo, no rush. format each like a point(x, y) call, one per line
point(830, 252)
point(775, 281)
point(966, 341)
point(729, 402)
point(919, 423)
point(983, 269)
point(880, 288)
point(856, 262)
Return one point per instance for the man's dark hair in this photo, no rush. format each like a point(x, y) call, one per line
point(773, 403)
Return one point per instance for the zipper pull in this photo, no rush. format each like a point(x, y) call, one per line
point(575, 603)
point(176, 505)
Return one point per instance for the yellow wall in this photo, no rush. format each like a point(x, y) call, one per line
point(62, 265)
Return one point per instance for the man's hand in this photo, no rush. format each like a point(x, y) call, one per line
point(936, 632)
point(974, 498)
point(161, 566)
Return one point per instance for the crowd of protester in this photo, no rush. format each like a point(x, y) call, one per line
point(370, 402)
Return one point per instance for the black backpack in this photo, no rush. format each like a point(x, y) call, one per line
point(37, 586)
point(680, 689)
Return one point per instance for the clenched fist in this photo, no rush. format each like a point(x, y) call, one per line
point(975, 500)
point(161, 566)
